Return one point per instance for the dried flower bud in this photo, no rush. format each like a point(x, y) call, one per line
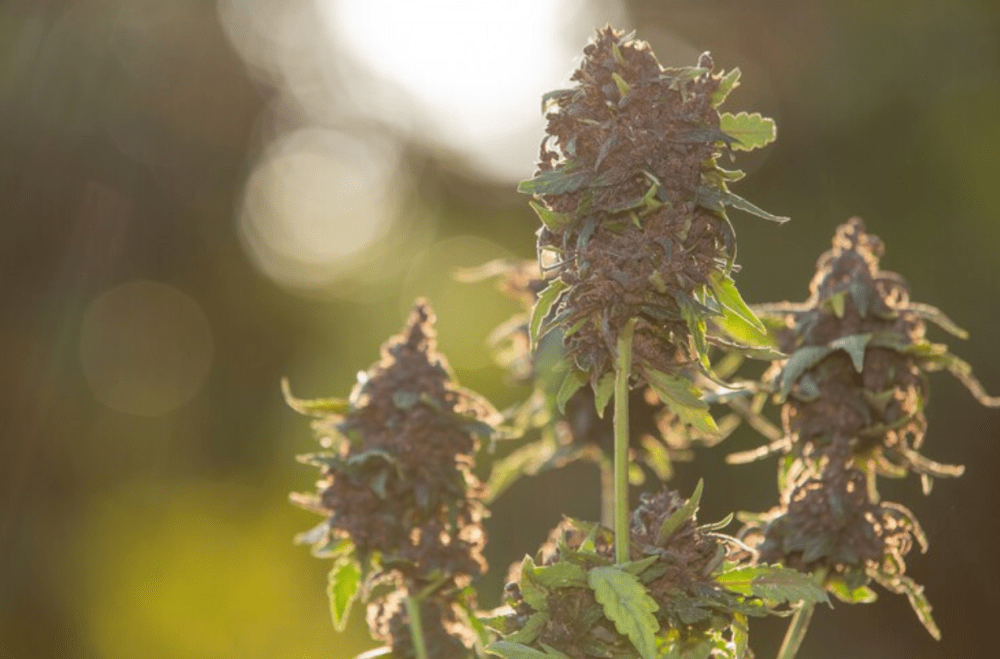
point(633, 207)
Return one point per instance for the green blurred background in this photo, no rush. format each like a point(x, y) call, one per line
point(198, 199)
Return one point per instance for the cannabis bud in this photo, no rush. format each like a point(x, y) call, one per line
point(687, 590)
point(853, 390)
point(635, 232)
point(403, 510)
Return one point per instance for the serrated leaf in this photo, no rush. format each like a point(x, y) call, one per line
point(546, 300)
point(628, 605)
point(729, 297)
point(727, 83)
point(556, 181)
point(752, 131)
point(553, 221)
point(854, 345)
point(319, 407)
point(801, 361)
point(342, 589)
point(683, 399)
point(681, 515)
point(603, 390)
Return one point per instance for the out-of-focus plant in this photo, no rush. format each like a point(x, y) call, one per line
point(632, 303)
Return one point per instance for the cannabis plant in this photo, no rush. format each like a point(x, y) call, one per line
point(632, 304)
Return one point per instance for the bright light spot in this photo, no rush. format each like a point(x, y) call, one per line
point(476, 71)
point(316, 201)
point(145, 348)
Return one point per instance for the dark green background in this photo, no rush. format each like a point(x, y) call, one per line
point(169, 537)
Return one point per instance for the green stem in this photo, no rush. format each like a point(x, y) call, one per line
point(623, 370)
point(416, 626)
point(800, 622)
point(607, 491)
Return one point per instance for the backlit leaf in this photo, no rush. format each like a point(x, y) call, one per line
point(728, 296)
point(546, 300)
point(752, 131)
point(683, 399)
point(627, 604)
point(727, 83)
point(342, 589)
point(684, 513)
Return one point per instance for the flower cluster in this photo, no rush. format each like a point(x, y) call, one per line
point(402, 508)
point(687, 590)
point(853, 390)
point(633, 206)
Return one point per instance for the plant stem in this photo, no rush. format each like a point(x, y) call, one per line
point(800, 622)
point(416, 626)
point(607, 491)
point(623, 370)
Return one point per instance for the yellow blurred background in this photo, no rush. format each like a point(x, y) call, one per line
point(197, 198)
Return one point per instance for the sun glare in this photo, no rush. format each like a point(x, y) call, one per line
point(475, 71)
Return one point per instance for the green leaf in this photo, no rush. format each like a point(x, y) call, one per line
point(683, 399)
point(546, 300)
point(603, 391)
point(729, 297)
point(727, 83)
point(623, 86)
point(751, 130)
point(681, 515)
point(319, 407)
point(560, 575)
point(553, 221)
point(557, 181)
point(843, 592)
point(531, 630)
point(741, 634)
point(936, 316)
point(511, 650)
point(921, 605)
point(574, 380)
point(342, 589)
point(854, 345)
point(801, 361)
point(781, 584)
point(739, 202)
point(627, 603)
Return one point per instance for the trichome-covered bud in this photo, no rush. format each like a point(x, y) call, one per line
point(858, 359)
point(829, 525)
point(633, 206)
point(852, 392)
point(557, 426)
point(402, 508)
point(687, 590)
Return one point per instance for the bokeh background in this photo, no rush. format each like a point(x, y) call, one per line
point(198, 198)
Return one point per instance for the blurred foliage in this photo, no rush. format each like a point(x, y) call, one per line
point(128, 131)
